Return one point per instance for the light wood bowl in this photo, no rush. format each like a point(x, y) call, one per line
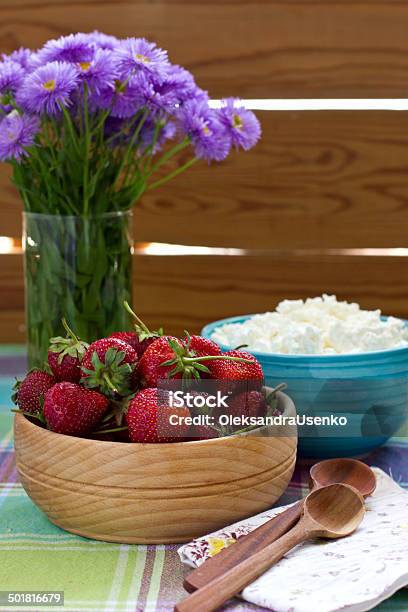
point(152, 493)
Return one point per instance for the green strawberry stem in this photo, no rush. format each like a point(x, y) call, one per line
point(69, 331)
point(134, 315)
point(244, 430)
point(108, 416)
point(272, 394)
point(109, 383)
point(112, 430)
point(29, 414)
point(212, 357)
point(189, 364)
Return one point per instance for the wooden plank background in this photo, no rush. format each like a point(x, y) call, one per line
point(317, 181)
point(185, 292)
point(263, 49)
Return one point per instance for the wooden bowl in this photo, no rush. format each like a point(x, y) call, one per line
point(152, 493)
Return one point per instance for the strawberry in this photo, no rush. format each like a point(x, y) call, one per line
point(250, 403)
point(133, 339)
point(202, 432)
point(151, 368)
point(109, 365)
point(168, 357)
point(245, 404)
point(29, 393)
point(128, 337)
point(237, 370)
point(73, 410)
point(142, 337)
point(65, 354)
point(148, 418)
point(201, 346)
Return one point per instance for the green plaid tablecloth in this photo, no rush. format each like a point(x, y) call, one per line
point(96, 576)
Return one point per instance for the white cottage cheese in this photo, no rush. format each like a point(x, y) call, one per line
point(316, 326)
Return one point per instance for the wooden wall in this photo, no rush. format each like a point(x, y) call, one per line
point(318, 188)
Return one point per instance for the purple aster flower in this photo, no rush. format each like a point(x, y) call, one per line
point(123, 99)
point(33, 62)
point(102, 41)
point(11, 77)
point(240, 123)
point(181, 84)
point(17, 132)
point(75, 48)
point(138, 54)
point(202, 125)
point(100, 73)
point(152, 96)
point(48, 88)
point(21, 56)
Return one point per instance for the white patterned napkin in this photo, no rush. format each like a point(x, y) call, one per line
point(352, 574)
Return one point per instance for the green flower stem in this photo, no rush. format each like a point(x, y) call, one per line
point(87, 139)
point(173, 174)
point(147, 158)
point(79, 269)
point(18, 180)
point(101, 123)
point(130, 145)
point(167, 156)
point(43, 170)
point(214, 357)
point(71, 130)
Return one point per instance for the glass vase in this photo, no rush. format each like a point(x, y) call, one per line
point(79, 268)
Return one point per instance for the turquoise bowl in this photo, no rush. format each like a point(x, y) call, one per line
point(369, 389)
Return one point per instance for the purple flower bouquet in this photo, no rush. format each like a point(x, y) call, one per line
point(89, 123)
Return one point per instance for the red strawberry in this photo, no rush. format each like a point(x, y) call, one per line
point(148, 418)
point(238, 371)
point(151, 368)
point(72, 410)
point(251, 404)
point(128, 337)
point(202, 432)
point(133, 339)
point(142, 337)
point(201, 346)
point(65, 354)
point(29, 393)
point(109, 365)
point(168, 357)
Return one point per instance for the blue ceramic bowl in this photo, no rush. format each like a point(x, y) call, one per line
point(369, 389)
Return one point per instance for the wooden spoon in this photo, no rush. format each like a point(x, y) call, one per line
point(330, 471)
point(334, 511)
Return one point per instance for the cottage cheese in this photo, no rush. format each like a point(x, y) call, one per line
point(316, 326)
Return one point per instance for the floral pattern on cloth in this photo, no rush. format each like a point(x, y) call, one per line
point(353, 574)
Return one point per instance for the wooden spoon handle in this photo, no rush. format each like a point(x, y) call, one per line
point(234, 580)
point(243, 548)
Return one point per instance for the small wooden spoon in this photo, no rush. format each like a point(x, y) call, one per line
point(334, 511)
point(330, 471)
